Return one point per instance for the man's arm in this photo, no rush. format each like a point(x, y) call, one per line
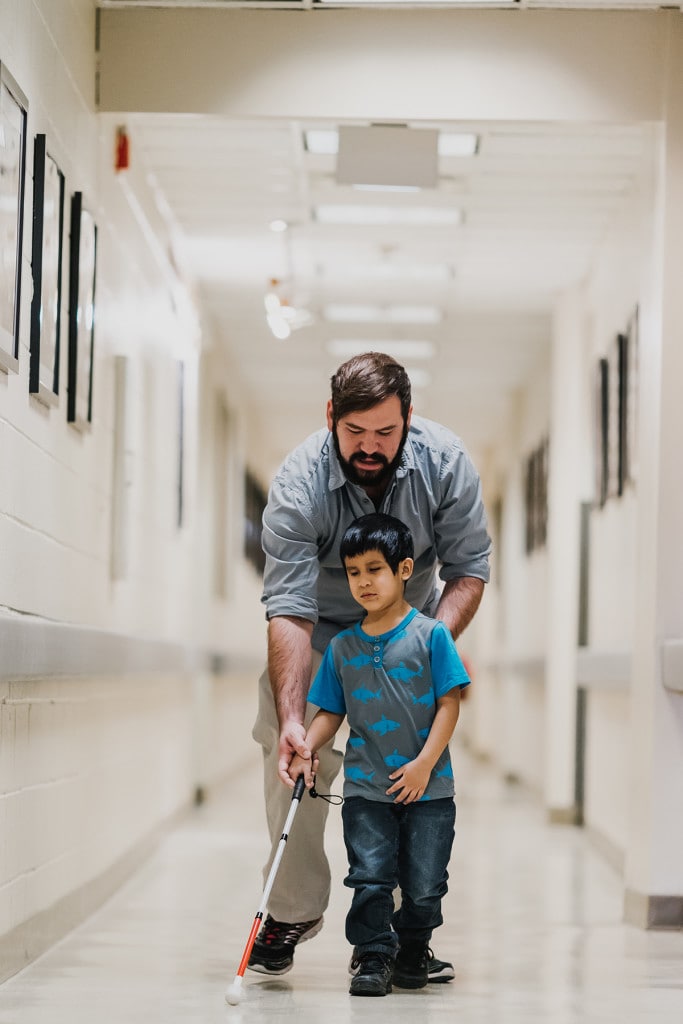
point(458, 603)
point(289, 668)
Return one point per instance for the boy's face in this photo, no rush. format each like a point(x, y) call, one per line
point(373, 585)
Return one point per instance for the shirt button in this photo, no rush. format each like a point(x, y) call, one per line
point(376, 647)
point(378, 659)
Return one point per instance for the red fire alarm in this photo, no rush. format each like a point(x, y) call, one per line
point(122, 156)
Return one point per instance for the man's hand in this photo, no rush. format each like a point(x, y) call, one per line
point(292, 742)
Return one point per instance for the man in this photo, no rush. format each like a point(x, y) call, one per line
point(374, 456)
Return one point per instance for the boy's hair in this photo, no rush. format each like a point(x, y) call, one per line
point(364, 381)
point(377, 532)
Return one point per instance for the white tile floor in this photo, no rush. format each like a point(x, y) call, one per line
point(533, 924)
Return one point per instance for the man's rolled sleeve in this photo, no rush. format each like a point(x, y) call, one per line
point(289, 541)
point(462, 541)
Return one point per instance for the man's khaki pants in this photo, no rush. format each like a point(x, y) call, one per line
point(302, 887)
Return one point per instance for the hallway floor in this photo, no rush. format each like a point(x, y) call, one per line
point(533, 925)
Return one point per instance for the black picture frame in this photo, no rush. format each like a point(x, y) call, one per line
point(82, 280)
point(622, 412)
point(631, 389)
point(13, 121)
point(536, 497)
point(180, 508)
point(46, 269)
point(255, 500)
point(613, 425)
point(602, 419)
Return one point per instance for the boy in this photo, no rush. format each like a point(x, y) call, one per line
point(397, 676)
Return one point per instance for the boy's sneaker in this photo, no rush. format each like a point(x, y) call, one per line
point(273, 951)
point(410, 969)
point(373, 975)
point(438, 971)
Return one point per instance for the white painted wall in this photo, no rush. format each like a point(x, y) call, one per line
point(92, 766)
point(611, 294)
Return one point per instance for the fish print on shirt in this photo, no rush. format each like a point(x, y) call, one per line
point(383, 726)
point(426, 699)
point(358, 662)
point(396, 760)
point(365, 696)
point(356, 774)
point(403, 673)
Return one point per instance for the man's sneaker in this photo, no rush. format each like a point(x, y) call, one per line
point(273, 951)
point(373, 975)
point(438, 971)
point(410, 969)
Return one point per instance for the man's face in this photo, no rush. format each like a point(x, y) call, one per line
point(369, 443)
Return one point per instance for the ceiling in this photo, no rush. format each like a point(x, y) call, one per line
point(534, 202)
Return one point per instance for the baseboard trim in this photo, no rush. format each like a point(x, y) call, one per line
point(563, 815)
point(653, 912)
point(21, 946)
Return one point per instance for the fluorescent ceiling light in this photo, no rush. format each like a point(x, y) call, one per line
point(348, 213)
point(434, 272)
point(358, 314)
point(322, 141)
point(404, 349)
point(387, 188)
point(458, 143)
point(415, 3)
point(325, 142)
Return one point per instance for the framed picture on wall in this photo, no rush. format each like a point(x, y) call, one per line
point(536, 497)
point(613, 418)
point(13, 110)
point(602, 420)
point(631, 400)
point(46, 267)
point(622, 411)
point(82, 276)
point(180, 508)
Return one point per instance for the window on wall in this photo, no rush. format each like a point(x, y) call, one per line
point(536, 498)
point(254, 504)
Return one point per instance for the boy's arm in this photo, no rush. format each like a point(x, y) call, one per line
point(323, 727)
point(412, 779)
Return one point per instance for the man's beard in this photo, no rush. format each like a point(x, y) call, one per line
point(353, 467)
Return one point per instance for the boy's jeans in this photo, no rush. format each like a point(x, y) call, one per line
point(390, 845)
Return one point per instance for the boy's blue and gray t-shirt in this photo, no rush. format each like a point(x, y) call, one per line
point(387, 686)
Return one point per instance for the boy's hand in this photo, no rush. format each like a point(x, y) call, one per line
point(412, 780)
point(301, 766)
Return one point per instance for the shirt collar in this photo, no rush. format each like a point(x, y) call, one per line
point(338, 478)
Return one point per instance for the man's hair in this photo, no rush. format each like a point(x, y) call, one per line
point(377, 532)
point(365, 381)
